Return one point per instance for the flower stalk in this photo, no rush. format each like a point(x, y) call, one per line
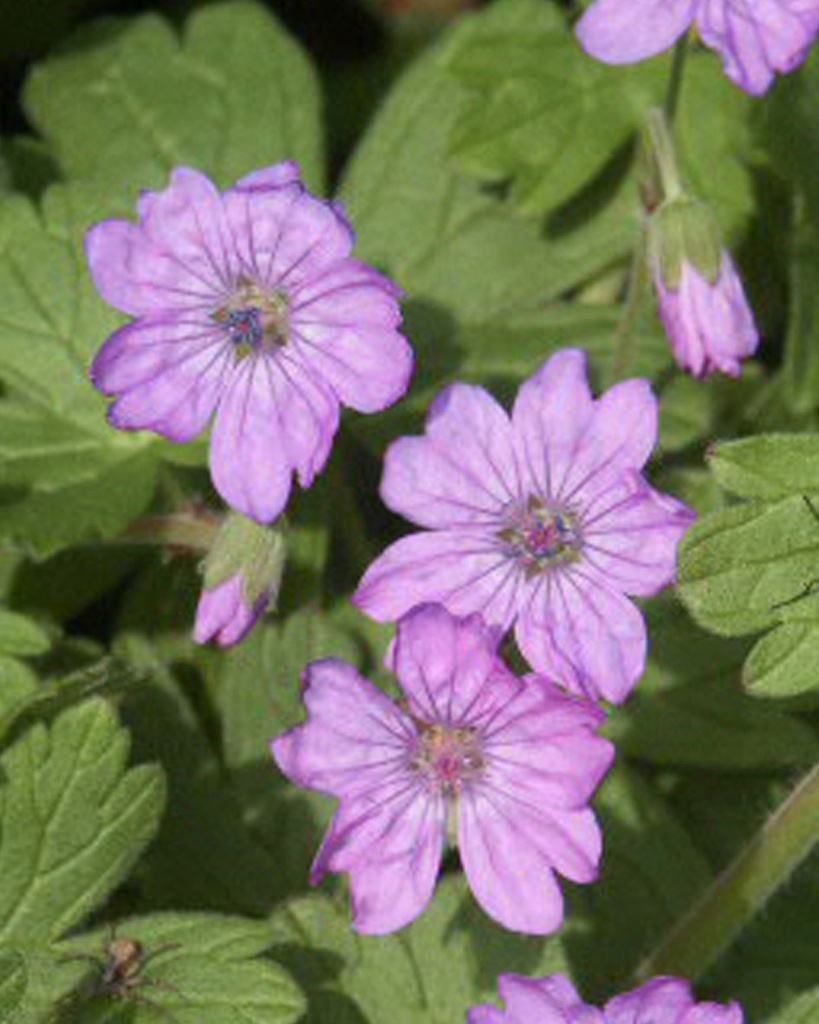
point(737, 895)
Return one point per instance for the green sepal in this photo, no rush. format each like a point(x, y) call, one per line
point(255, 551)
point(684, 230)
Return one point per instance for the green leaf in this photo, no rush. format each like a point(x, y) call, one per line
point(689, 709)
point(804, 1009)
point(204, 856)
point(197, 970)
point(768, 466)
point(686, 412)
point(785, 663)
point(542, 114)
point(73, 819)
point(65, 474)
point(450, 243)
point(433, 971)
point(743, 569)
point(235, 94)
point(20, 636)
point(13, 982)
point(539, 110)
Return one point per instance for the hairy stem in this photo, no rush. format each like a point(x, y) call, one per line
point(736, 896)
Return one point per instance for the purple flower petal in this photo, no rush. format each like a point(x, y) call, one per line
point(551, 414)
point(223, 614)
point(711, 326)
point(505, 870)
point(273, 419)
point(630, 536)
point(345, 324)
point(757, 38)
point(446, 664)
point(171, 374)
point(583, 635)
point(623, 31)
point(544, 1000)
point(287, 172)
point(463, 570)
point(462, 470)
point(666, 999)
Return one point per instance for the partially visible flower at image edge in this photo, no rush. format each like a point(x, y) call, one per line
point(755, 38)
point(542, 520)
point(503, 767)
point(554, 1000)
point(248, 306)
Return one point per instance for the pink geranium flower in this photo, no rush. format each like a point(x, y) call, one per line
point(248, 306)
point(754, 38)
point(542, 520)
point(504, 766)
point(555, 1000)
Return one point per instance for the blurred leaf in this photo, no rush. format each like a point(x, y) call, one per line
point(686, 412)
point(13, 982)
point(204, 857)
point(20, 636)
point(238, 93)
point(541, 114)
point(450, 243)
point(689, 708)
point(539, 111)
point(66, 475)
point(651, 873)
point(804, 1009)
point(74, 819)
point(197, 969)
point(432, 971)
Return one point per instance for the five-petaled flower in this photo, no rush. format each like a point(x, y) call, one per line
point(247, 304)
point(554, 1000)
point(543, 520)
point(755, 38)
point(504, 766)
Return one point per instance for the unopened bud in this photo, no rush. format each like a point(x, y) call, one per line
point(685, 231)
point(242, 575)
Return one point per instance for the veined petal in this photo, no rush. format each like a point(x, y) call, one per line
point(624, 31)
point(463, 571)
point(551, 413)
point(284, 173)
point(313, 236)
point(186, 222)
point(248, 455)
point(583, 635)
point(545, 1000)
point(445, 664)
point(392, 855)
point(345, 324)
point(510, 878)
point(133, 274)
point(620, 437)
point(757, 38)
point(170, 375)
point(631, 535)
point(663, 998)
point(462, 471)
point(355, 739)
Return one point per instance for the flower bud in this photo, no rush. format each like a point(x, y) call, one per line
point(700, 295)
point(242, 574)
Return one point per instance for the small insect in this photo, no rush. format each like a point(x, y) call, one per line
point(121, 972)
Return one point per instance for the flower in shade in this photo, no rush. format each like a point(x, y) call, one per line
point(542, 520)
point(242, 575)
point(755, 38)
point(504, 767)
point(554, 1000)
point(701, 299)
point(247, 305)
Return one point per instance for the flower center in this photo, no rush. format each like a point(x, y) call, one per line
point(253, 319)
point(540, 536)
point(447, 757)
